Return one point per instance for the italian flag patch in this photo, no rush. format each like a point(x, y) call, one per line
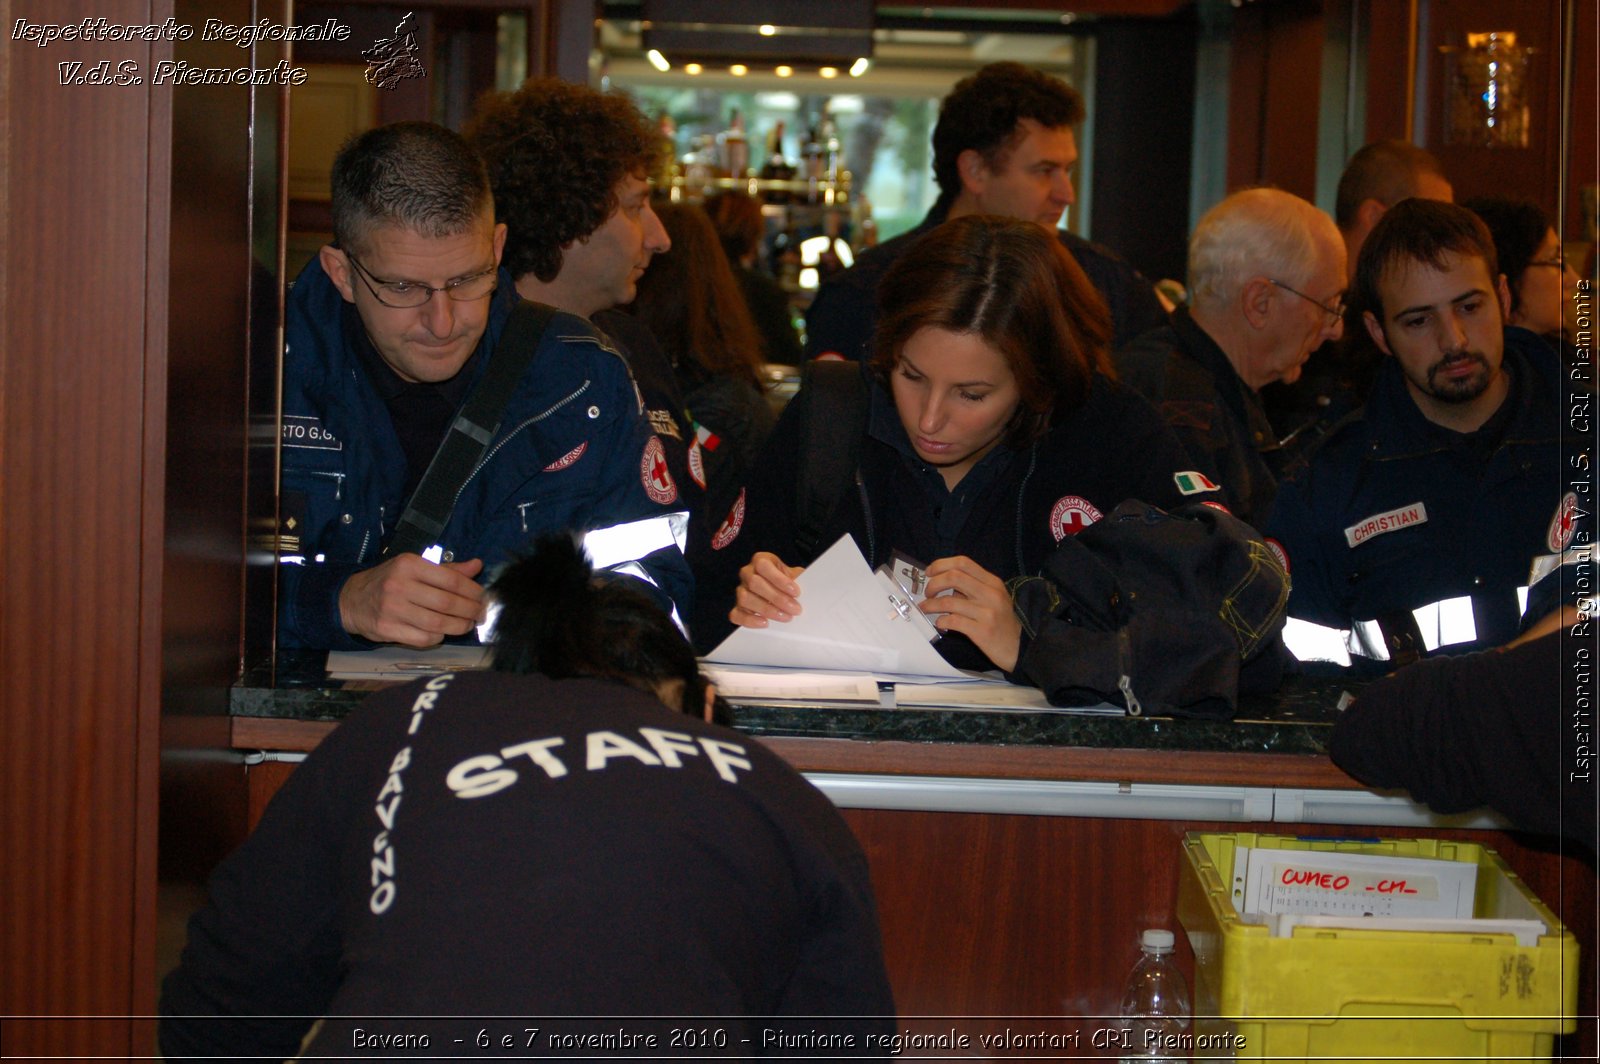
point(1193, 483)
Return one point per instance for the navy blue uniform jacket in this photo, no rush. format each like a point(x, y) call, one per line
point(1395, 513)
point(845, 312)
point(1010, 511)
point(573, 451)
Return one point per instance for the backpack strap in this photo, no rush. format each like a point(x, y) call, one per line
point(831, 429)
point(428, 511)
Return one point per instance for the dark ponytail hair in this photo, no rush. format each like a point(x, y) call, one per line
point(559, 619)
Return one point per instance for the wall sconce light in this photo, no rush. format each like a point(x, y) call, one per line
point(1486, 91)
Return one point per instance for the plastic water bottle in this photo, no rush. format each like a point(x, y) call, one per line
point(1156, 1000)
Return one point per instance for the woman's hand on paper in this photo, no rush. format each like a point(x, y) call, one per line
point(979, 607)
point(767, 592)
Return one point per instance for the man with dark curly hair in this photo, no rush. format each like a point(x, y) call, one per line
point(1004, 145)
point(570, 167)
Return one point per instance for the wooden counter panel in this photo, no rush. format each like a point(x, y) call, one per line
point(1205, 768)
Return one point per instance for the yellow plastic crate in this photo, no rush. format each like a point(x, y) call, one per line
point(1336, 995)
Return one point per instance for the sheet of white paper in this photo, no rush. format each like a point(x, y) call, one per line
point(989, 694)
point(736, 683)
point(400, 663)
point(1335, 883)
point(848, 625)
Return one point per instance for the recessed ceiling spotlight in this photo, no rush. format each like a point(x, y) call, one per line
point(658, 60)
point(738, 70)
point(783, 71)
point(829, 72)
point(860, 66)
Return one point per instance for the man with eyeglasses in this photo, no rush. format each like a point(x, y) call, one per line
point(1266, 277)
point(1426, 521)
point(388, 331)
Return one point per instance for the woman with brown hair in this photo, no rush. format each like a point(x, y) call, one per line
point(992, 429)
point(737, 219)
point(691, 303)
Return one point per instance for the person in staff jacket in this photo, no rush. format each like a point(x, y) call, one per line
point(388, 333)
point(985, 430)
point(1423, 520)
point(562, 836)
point(1004, 145)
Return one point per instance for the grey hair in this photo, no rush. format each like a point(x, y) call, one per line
point(414, 175)
point(1253, 233)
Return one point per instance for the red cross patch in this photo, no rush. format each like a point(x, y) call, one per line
point(567, 459)
point(654, 474)
point(1279, 553)
point(1071, 515)
point(729, 529)
point(1563, 523)
point(697, 464)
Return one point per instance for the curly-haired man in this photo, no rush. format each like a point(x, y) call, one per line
point(570, 168)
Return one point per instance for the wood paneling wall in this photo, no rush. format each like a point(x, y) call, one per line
point(84, 222)
point(1532, 172)
point(1274, 96)
point(1144, 82)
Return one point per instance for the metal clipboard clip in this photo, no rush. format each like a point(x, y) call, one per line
point(903, 605)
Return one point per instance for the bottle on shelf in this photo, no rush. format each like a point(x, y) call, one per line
point(776, 167)
point(735, 153)
point(1155, 1003)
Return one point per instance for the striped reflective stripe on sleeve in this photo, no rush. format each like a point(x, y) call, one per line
point(609, 547)
point(1446, 622)
point(1315, 642)
point(1545, 564)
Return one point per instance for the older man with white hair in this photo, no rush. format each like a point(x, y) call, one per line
point(1267, 277)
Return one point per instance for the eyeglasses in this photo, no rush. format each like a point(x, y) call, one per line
point(403, 295)
point(1335, 312)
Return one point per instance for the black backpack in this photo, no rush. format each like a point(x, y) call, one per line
point(833, 401)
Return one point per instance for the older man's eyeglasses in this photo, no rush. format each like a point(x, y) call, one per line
point(1335, 312)
point(403, 295)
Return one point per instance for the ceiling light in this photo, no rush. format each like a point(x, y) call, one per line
point(738, 70)
point(783, 71)
point(692, 68)
point(859, 67)
point(768, 31)
point(658, 60)
point(829, 72)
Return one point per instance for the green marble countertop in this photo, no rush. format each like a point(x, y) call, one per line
point(1295, 720)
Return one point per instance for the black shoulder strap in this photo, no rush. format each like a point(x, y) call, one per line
point(830, 445)
point(430, 506)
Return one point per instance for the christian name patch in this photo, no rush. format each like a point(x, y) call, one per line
point(1072, 514)
point(1388, 521)
point(654, 474)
